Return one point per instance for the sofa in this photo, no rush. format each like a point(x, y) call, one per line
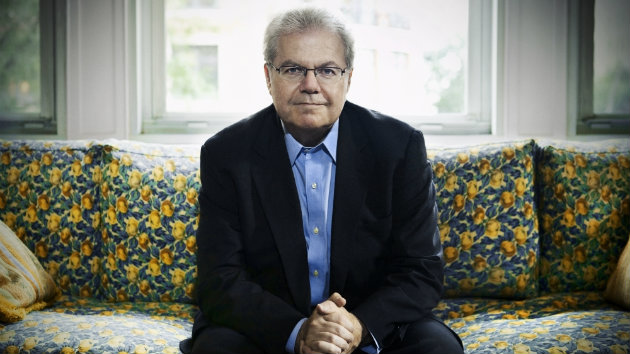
point(531, 232)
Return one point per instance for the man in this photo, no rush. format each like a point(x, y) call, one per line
point(318, 226)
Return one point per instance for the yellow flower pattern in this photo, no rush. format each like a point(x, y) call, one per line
point(559, 323)
point(114, 224)
point(151, 216)
point(48, 197)
point(88, 325)
point(485, 197)
point(584, 208)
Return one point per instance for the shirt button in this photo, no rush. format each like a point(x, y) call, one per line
point(314, 185)
point(316, 273)
point(316, 230)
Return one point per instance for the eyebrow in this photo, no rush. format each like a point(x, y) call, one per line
point(329, 63)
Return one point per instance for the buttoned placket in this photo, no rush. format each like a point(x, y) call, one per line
point(316, 219)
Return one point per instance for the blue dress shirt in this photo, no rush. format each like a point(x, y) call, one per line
point(314, 171)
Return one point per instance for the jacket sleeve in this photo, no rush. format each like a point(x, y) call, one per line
point(226, 293)
point(413, 276)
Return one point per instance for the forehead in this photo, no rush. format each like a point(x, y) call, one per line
point(314, 47)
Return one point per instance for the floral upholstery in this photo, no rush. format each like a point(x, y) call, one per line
point(580, 322)
point(584, 213)
point(49, 196)
point(150, 216)
point(487, 219)
point(557, 323)
point(114, 222)
point(86, 325)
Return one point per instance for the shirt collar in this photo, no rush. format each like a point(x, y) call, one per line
point(329, 144)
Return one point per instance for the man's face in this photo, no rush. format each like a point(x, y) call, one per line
point(310, 105)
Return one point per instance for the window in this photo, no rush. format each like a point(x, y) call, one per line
point(424, 61)
point(31, 66)
point(603, 77)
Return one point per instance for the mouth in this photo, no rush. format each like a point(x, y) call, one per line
point(309, 104)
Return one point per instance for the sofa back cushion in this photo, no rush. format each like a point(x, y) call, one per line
point(150, 217)
point(49, 197)
point(584, 212)
point(487, 219)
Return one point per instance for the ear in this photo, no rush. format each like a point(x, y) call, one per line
point(267, 77)
point(349, 79)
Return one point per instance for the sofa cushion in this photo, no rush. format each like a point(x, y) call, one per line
point(584, 212)
point(81, 325)
point(486, 212)
point(49, 196)
point(581, 322)
point(150, 217)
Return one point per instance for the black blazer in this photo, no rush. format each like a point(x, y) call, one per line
point(385, 246)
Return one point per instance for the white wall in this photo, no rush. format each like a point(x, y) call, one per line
point(96, 75)
point(535, 68)
point(532, 72)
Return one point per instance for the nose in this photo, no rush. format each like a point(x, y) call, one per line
point(309, 83)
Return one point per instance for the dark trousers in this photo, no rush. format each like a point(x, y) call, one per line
point(426, 336)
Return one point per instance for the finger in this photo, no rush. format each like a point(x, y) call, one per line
point(339, 342)
point(339, 300)
point(308, 350)
point(323, 347)
point(341, 319)
point(323, 330)
point(305, 349)
point(332, 338)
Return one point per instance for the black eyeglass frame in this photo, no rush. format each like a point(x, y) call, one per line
point(306, 70)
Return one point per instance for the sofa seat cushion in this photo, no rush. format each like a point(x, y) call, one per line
point(486, 211)
point(86, 325)
point(557, 323)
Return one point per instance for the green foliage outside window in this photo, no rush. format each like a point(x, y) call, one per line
point(19, 56)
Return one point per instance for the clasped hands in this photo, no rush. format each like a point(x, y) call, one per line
point(330, 329)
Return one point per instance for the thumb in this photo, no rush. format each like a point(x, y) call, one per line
point(337, 299)
point(329, 306)
point(326, 307)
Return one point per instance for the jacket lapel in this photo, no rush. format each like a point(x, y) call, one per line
point(275, 184)
point(353, 170)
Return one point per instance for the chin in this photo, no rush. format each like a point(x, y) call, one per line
point(313, 122)
point(307, 118)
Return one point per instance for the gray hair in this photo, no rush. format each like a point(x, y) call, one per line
point(302, 20)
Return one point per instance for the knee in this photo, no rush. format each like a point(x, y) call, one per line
point(432, 336)
point(219, 340)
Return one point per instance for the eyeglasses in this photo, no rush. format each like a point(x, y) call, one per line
point(296, 73)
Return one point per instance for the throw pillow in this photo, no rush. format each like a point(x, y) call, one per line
point(584, 213)
point(487, 219)
point(618, 289)
point(24, 285)
point(49, 195)
point(150, 217)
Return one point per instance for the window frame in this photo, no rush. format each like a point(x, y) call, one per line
point(152, 119)
point(51, 119)
point(584, 121)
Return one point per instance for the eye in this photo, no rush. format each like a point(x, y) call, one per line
point(292, 70)
point(328, 72)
